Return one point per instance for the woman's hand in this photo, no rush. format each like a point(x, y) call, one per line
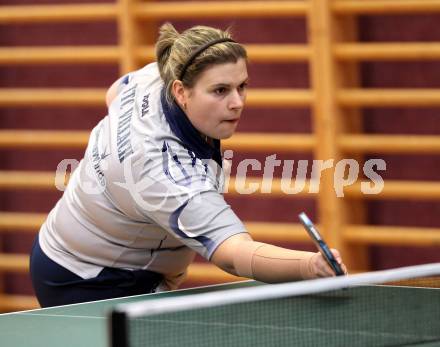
point(320, 266)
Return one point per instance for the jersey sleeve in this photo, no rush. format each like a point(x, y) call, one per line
point(203, 223)
point(183, 195)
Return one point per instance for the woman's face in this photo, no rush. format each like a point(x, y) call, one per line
point(214, 103)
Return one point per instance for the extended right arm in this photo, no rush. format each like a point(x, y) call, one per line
point(240, 255)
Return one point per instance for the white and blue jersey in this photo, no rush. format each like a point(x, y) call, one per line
point(147, 195)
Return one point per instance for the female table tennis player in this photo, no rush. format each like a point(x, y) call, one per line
point(147, 195)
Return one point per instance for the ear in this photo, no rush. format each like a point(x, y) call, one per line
point(179, 93)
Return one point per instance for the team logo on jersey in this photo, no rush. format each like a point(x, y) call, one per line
point(96, 160)
point(145, 105)
point(124, 124)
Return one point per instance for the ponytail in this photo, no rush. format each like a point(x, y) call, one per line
point(167, 36)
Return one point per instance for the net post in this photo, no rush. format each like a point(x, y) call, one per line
point(118, 328)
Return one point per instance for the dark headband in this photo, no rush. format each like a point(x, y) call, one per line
point(198, 51)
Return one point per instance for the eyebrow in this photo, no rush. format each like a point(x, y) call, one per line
point(216, 85)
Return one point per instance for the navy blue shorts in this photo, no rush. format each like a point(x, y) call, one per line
point(54, 285)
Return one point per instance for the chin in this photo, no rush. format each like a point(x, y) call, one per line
point(225, 133)
point(224, 136)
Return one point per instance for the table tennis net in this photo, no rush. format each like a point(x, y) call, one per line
point(399, 307)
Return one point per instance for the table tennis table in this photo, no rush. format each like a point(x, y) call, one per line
point(86, 324)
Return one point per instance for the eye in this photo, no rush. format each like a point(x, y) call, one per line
point(243, 86)
point(220, 91)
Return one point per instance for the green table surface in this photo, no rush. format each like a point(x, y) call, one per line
point(77, 325)
point(347, 318)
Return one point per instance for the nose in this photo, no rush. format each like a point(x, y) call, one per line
point(236, 100)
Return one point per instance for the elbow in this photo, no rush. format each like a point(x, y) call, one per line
point(224, 262)
point(225, 256)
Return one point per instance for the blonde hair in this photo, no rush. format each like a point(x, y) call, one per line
point(173, 50)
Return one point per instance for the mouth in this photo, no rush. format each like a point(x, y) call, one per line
point(232, 121)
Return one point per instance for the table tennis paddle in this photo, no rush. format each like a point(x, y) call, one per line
point(320, 243)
